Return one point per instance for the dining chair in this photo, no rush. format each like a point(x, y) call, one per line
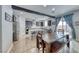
point(40, 42)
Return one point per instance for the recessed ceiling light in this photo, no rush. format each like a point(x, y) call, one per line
point(53, 9)
point(44, 5)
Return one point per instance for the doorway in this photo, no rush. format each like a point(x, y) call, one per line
point(14, 29)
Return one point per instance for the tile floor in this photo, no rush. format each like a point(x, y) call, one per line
point(29, 46)
point(24, 46)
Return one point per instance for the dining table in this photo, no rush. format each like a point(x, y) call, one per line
point(51, 43)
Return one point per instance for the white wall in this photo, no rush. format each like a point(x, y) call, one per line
point(0, 29)
point(21, 27)
point(7, 29)
point(21, 17)
point(76, 19)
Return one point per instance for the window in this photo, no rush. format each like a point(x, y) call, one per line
point(63, 29)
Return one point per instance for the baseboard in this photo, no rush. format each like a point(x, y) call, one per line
point(10, 48)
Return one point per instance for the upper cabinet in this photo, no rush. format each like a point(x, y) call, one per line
point(37, 24)
point(49, 22)
point(46, 23)
point(40, 23)
point(28, 24)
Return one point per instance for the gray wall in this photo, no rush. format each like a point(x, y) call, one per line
point(21, 27)
point(0, 29)
point(7, 29)
point(76, 19)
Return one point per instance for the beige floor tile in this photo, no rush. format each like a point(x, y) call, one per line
point(23, 46)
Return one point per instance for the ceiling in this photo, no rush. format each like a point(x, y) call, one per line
point(32, 16)
point(59, 9)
